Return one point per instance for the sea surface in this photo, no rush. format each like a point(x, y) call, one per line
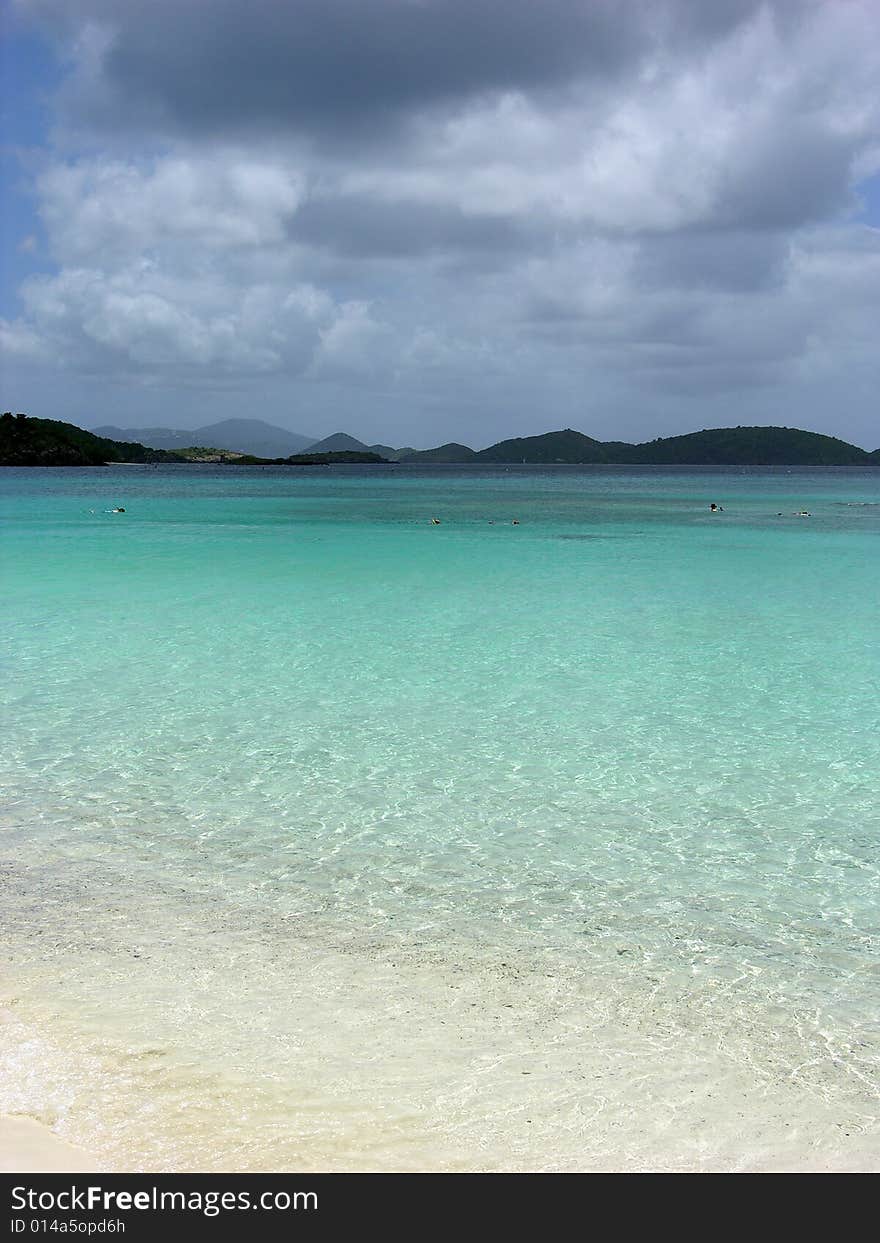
point(335, 839)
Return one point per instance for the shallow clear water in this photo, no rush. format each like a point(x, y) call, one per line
point(320, 819)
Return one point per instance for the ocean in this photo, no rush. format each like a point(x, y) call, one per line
point(541, 838)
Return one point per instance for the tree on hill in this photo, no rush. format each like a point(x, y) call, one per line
point(48, 442)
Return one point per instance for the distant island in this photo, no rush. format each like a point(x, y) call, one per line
point(721, 446)
point(45, 442)
point(26, 441)
point(251, 436)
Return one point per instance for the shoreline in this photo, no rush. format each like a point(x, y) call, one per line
point(763, 1128)
point(352, 1053)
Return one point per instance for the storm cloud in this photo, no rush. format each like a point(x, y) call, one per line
point(456, 219)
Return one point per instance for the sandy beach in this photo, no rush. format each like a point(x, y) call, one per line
point(28, 1147)
point(508, 1071)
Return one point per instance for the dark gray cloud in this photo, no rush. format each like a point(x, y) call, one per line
point(525, 212)
point(692, 24)
point(358, 226)
point(359, 71)
point(212, 65)
point(791, 175)
point(742, 261)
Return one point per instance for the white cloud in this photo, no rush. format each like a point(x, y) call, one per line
point(764, 123)
point(670, 222)
point(221, 199)
point(19, 340)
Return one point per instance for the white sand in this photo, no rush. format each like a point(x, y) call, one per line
point(28, 1147)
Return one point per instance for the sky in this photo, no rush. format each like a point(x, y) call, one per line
point(429, 220)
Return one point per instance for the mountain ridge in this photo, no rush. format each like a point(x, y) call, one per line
point(450, 452)
point(252, 436)
point(25, 441)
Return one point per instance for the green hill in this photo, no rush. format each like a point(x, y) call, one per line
point(390, 454)
point(565, 446)
point(720, 446)
point(451, 452)
point(46, 442)
point(746, 446)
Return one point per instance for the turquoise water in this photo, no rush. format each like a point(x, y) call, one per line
point(272, 726)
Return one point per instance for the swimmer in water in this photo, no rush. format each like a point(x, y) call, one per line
point(435, 522)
